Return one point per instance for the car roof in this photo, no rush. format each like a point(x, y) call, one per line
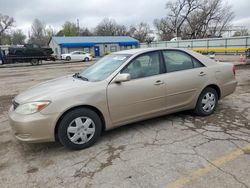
point(204, 59)
point(143, 50)
point(135, 51)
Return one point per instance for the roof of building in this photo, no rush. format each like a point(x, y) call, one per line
point(93, 40)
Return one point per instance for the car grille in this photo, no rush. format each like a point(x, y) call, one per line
point(15, 105)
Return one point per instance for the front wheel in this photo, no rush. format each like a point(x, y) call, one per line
point(207, 102)
point(79, 129)
point(68, 58)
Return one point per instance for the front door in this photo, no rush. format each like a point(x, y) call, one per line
point(97, 51)
point(75, 55)
point(143, 95)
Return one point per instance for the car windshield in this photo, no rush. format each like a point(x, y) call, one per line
point(104, 67)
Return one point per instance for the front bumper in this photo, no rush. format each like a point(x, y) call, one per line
point(33, 128)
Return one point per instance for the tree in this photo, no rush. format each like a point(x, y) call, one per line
point(107, 27)
point(194, 19)
point(68, 29)
point(5, 39)
point(18, 37)
point(178, 13)
point(141, 32)
point(6, 22)
point(38, 33)
point(214, 17)
point(121, 30)
point(163, 28)
point(85, 32)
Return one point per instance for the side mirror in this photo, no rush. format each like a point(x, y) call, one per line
point(124, 77)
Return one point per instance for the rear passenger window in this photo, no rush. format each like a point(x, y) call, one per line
point(177, 61)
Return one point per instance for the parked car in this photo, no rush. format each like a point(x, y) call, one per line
point(77, 55)
point(121, 88)
point(30, 50)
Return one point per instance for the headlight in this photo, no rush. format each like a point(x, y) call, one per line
point(31, 107)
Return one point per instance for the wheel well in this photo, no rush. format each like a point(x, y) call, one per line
point(76, 107)
point(217, 89)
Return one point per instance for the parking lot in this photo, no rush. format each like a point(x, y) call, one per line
point(177, 150)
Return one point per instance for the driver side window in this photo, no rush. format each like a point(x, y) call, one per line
point(143, 66)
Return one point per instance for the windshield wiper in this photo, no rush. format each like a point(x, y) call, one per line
point(77, 75)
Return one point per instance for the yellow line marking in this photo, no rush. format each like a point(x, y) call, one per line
point(201, 171)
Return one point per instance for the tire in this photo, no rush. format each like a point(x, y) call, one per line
point(207, 102)
point(34, 62)
point(68, 58)
point(86, 59)
point(73, 134)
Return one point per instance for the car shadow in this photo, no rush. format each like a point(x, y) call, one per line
point(36, 148)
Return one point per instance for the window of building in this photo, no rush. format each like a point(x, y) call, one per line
point(113, 48)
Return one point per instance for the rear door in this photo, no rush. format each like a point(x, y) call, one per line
point(185, 78)
point(82, 56)
point(143, 95)
point(75, 56)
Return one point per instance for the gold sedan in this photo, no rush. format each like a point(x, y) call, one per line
point(121, 88)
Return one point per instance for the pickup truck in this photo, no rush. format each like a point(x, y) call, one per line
point(30, 50)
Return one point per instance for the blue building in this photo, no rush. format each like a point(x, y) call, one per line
point(97, 45)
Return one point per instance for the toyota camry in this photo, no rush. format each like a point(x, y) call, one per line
point(120, 88)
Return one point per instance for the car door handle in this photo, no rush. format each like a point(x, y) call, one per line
point(159, 82)
point(202, 74)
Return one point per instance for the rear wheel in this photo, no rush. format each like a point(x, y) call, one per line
point(79, 129)
point(34, 62)
point(86, 59)
point(207, 102)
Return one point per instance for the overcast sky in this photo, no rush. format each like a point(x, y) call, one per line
point(90, 12)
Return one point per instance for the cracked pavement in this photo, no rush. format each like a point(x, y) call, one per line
point(159, 152)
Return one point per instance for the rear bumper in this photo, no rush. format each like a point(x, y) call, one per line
point(228, 88)
point(32, 128)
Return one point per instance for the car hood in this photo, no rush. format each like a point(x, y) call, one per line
point(51, 89)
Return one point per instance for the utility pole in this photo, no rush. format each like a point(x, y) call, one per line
point(78, 27)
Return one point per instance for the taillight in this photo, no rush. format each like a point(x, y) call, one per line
point(234, 70)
